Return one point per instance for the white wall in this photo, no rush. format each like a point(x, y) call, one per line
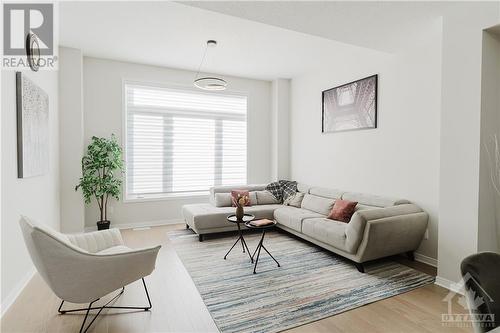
point(280, 149)
point(103, 115)
point(36, 197)
point(401, 157)
point(71, 130)
point(489, 199)
point(460, 134)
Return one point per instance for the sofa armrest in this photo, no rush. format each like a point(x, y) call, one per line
point(396, 228)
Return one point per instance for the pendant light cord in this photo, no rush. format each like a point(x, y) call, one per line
point(202, 60)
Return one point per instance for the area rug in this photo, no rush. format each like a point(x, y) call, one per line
point(311, 283)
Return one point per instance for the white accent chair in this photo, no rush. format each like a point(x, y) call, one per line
point(82, 268)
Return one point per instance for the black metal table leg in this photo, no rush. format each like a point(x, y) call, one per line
point(243, 243)
point(257, 250)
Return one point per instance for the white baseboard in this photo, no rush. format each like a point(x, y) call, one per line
point(426, 260)
point(14, 294)
point(448, 284)
point(140, 224)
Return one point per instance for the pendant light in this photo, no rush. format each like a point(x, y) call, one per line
point(208, 82)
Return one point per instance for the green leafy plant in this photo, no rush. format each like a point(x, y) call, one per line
point(102, 167)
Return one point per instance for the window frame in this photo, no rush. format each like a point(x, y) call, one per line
point(167, 85)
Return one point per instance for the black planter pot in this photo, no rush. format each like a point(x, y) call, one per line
point(103, 225)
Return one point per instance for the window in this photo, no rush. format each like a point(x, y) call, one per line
point(183, 141)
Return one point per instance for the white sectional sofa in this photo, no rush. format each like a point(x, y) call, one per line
point(380, 227)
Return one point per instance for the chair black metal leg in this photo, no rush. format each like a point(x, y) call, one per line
point(60, 306)
point(105, 306)
point(86, 316)
point(147, 294)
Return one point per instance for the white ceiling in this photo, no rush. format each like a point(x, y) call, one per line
point(385, 26)
point(174, 34)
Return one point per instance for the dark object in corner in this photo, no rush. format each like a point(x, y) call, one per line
point(410, 255)
point(200, 238)
point(480, 272)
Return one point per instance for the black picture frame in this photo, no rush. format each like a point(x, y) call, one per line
point(335, 89)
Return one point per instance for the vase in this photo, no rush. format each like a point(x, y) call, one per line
point(239, 213)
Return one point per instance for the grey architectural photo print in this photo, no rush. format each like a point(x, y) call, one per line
point(32, 128)
point(350, 106)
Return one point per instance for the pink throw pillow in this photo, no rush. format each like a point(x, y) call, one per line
point(241, 195)
point(342, 210)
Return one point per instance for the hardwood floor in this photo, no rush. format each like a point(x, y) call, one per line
point(178, 307)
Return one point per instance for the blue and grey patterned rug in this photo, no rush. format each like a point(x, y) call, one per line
point(311, 283)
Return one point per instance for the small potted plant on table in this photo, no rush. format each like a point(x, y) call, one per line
point(102, 167)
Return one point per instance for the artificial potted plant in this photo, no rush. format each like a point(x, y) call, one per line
point(102, 167)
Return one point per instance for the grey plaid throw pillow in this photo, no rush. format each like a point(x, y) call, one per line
point(288, 187)
point(276, 191)
point(282, 189)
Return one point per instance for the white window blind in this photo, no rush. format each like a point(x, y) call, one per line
point(183, 141)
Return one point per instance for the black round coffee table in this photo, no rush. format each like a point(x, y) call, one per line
point(246, 219)
point(261, 243)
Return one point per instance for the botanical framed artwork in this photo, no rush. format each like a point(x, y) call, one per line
point(351, 106)
point(32, 128)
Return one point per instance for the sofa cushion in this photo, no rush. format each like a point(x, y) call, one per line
point(373, 200)
point(265, 198)
point(295, 200)
point(292, 217)
point(304, 188)
point(223, 200)
point(227, 189)
point(330, 232)
point(317, 204)
point(206, 216)
point(326, 192)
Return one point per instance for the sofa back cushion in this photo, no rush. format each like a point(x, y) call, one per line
point(225, 199)
point(373, 200)
point(303, 188)
point(222, 200)
point(317, 204)
point(227, 189)
point(265, 198)
point(326, 192)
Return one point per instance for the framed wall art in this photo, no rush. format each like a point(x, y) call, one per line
point(351, 106)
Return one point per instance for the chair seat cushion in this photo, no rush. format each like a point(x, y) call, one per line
point(292, 217)
point(115, 250)
point(328, 231)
